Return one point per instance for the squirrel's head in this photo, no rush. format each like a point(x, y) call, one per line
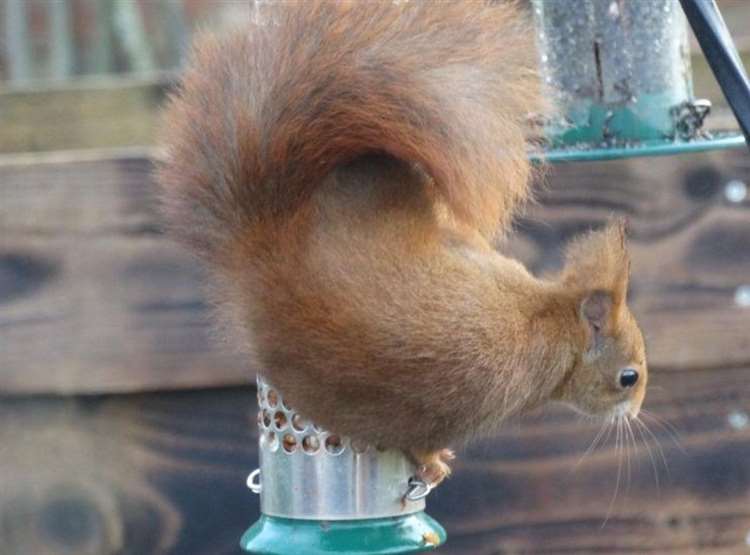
point(610, 373)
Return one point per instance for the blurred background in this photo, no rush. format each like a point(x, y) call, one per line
point(92, 73)
point(127, 426)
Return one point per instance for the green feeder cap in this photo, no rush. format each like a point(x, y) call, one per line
point(415, 533)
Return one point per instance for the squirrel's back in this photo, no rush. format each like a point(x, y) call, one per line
point(341, 167)
point(266, 111)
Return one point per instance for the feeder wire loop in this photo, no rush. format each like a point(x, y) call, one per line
point(418, 489)
point(253, 481)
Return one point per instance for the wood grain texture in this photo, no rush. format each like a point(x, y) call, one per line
point(93, 298)
point(126, 474)
point(690, 247)
point(93, 112)
point(164, 473)
point(555, 503)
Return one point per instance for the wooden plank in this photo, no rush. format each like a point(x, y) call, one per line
point(690, 246)
point(94, 112)
point(552, 503)
point(17, 45)
point(156, 473)
point(141, 474)
point(94, 298)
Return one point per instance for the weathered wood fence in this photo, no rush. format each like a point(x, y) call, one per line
point(125, 427)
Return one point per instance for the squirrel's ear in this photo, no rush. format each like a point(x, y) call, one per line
point(596, 311)
point(598, 264)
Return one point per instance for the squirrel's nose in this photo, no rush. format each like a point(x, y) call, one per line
point(628, 377)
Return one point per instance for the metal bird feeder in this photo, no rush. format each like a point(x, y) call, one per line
point(322, 493)
point(619, 73)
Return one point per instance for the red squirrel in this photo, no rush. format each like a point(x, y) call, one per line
point(344, 170)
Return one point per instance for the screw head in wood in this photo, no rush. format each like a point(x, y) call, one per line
point(735, 191)
point(742, 296)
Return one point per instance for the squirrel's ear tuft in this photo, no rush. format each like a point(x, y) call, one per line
point(599, 262)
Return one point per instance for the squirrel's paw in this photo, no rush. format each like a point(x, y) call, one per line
point(432, 466)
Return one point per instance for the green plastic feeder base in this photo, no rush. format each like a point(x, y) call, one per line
point(588, 153)
point(415, 533)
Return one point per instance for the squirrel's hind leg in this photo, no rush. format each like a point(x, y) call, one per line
point(432, 466)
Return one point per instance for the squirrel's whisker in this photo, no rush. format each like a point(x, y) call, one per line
point(672, 432)
point(618, 453)
point(638, 427)
point(631, 448)
point(592, 446)
point(657, 445)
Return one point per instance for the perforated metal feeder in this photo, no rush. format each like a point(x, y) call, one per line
point(619, 71)
point(322, 493)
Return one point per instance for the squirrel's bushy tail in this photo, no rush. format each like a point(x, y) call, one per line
point(265, 112)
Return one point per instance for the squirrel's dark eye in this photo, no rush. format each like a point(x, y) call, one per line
point(628, 377)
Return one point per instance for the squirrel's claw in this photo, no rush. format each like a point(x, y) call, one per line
point(433, 466)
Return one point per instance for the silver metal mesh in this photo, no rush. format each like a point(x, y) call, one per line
point(310, 473)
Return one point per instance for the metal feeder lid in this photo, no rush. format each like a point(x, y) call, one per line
point(325, 493)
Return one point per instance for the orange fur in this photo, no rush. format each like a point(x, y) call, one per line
point(343, 171)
